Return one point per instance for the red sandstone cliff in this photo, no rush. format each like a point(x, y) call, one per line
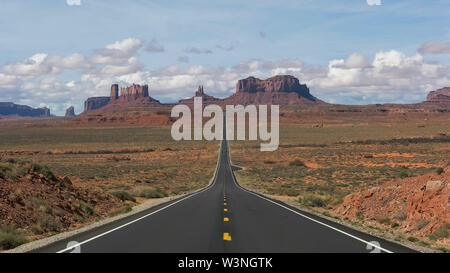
point(134, 95)
point(281, 90)
point(440, 97)
point(419, 205)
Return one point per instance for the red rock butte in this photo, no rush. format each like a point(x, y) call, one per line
point(280, 90)
point(134, 95)
point(440, 97)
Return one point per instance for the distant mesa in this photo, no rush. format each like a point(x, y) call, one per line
point(134, 95)
point(281, 90)
point(11, 109)
point(95, 103)
point(70, 112)
point(440, 97)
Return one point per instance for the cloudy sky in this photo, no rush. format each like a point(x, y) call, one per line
point(56, 53)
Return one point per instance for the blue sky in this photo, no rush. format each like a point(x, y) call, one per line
point(346, 51)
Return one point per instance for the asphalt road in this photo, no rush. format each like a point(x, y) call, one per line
point(224, 218)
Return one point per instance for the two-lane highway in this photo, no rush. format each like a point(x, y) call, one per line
point(224, 217)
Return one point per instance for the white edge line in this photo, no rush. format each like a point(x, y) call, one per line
point(298, 213)
point(147, 215)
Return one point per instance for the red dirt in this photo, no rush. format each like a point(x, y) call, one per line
point(29, 199)
point(408, 201)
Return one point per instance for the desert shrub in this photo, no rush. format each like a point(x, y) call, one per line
point(124, 196)
point(384, 220)
point(43, 170)
point(441, 233)
point(359, 214)
point(413, 239)
point(399, 215)
point(10, 237)
point(121, 210)
point(158, 193)
point(37, 230)
point(7, 171)
point(289, 192)
point(269, 162)
point(11, 160)
point(443, 249)
point(297, 163)
point(86, 208)
point(403, 174)
point(149, 192)
point(395, 224)
point(422, 223)
point(439, 170)
point(49, 223)
point(317, 202)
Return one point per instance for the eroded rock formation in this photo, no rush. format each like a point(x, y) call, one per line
point(95, 103)
point(134, 92)
point(281, 90)
point(440, 97)
point(134, 95)
point(207, 99)
point(70, 112)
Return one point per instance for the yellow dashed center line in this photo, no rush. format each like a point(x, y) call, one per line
point(226, 219)
point(226, 236)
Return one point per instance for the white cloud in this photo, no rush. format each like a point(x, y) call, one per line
point(388, 76)
point(435, 48)
point(154, 46)
point(247, 67)
point(196, 50)
point(73, 2)
point(33, 66)
point(356, 60)
point(286, 63)
point(374, 2)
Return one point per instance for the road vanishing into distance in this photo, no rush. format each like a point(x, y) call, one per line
point(223, 218)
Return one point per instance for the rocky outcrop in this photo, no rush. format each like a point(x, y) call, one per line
point(70, 112)
point(281, 90)
point(11, 109)
point(134, 92)
point(285, 83)
point(134, 95)
point(440, 97)
point(418, 205)
point(28, 183)
point(206, 99)
point(95, 103)
point(114, 92)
